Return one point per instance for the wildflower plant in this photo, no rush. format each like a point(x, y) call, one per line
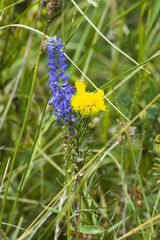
point(73, 108)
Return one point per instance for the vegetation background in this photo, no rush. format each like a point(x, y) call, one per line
point(116, 45)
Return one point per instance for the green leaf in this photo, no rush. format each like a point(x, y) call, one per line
point(47, 122)
point(91, 229)
point(153, 16)
point(50, 209)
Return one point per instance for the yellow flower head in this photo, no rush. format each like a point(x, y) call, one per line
point(87, 104)
point(157, 139)
point(80, 87)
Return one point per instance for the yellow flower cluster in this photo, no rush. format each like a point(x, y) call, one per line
point(87, 104)
point(157, 139)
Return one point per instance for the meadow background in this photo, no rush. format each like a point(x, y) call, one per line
point(114, 46)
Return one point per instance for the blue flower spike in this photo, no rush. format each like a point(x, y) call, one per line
point(60, 89)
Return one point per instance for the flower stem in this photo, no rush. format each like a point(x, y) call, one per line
point(68, 161)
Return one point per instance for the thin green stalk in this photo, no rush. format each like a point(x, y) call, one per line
point(12, 5)
point(104, 37)
point(18, 143)
point(19, 139)
point(27, 169)
point(139, 180)
point(68, 160)
point(69, 202)
point(95, 38)
point(148, 223)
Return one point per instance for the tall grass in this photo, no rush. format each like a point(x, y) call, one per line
point(114, 46)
